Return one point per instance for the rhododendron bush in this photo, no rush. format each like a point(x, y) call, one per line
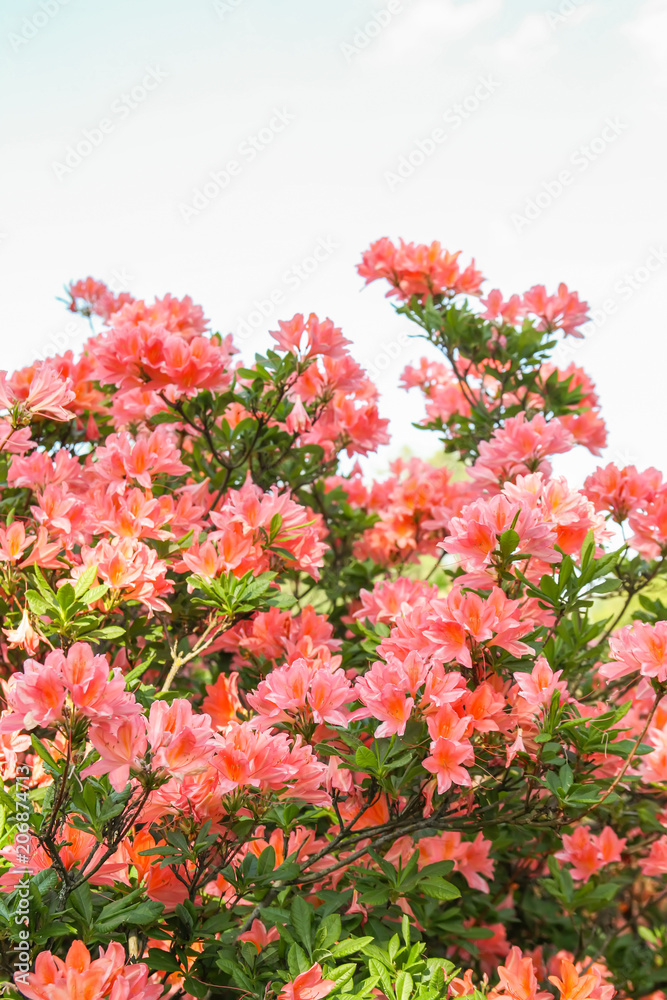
point(272, 728)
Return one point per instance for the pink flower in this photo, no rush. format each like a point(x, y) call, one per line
point(471, 858)
point(509, 311)
point(653, 766)
point(388, 691)
point(391, 598)
point(259, 936)
point(562, 311)
point(121, 459)
point(446, 761)
point(639, 646)
point(129, 567)
point(538, 687)
point(39, 470)
point(251, 522)
point(178, 739)
point(656, 862)
point(161, 348)
point(519, 447)
point(43, 394)
point(588, 853)
point(573, 986)
point(308, 986)
point(321, 337)
point(301, 690)
point(14, 542)
point(80, 978)
point(418, 269)
point(37, 696)
point(474, 536)
point(89, 296)
point(222, 702)
point(518, 980)
point(23, 636)
point(120, 745)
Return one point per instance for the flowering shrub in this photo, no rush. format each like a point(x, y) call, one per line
point(272, 729)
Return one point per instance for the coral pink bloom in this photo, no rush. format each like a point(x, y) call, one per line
point(13, 542)
point(322, 337)
point(308, 986)
point(518, 979)
point(120, 745)
point(418, 269)
point(130, 566)
point(301, 688)
point(43, 393)
point(394, 711)
point(485, 708)
point(656, 861)
point(538, 687)
point(93, 692)
point(509, 311)
point(93, 297)
point(471, 859)
point(257, 515)
point(123, 458)
point(447, 724)
point(609, 846)
point(329, 692)
point(475, 864)
point(446, 762)
point(562, 311)
point(654, 765)
point(385, 690)
point(582, 853)
point(588, 852)
point(639, 646)
point(23, 636)
point(222, 702)
point(461, 986)
point(36, 697)
point(178, 738)
point(519, 447)
point(80, 978)
point(475, 534)
point(259, 936)
point(572, 986)
point(391, 598)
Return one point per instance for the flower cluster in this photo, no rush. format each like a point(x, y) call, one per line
point(271, 726)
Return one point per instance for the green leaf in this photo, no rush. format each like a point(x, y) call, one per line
point(84, 581)
point(42, 752)
point(266, 861)
point(439, 889)
point(349, 946)
point(38, 604)
point(162, 961)
point(301, 915)
point(365, 759)
point(507, 542)
point(108, 632)
point(82, 901)
point(404, 985)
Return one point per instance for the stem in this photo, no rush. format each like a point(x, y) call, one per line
point(199, 647)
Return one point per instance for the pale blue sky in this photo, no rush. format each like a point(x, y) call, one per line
point(561, 86)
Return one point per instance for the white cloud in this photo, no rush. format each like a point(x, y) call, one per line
point(531, 43)
point(425, 27)
point(648, 31)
